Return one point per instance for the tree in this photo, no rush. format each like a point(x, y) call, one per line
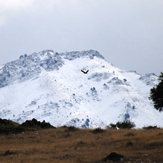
point(156, 94)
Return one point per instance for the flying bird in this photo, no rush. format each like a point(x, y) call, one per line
point(85, 72)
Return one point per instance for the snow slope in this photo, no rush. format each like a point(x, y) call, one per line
point(50, 86)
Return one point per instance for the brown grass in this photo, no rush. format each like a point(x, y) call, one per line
point(61, 145)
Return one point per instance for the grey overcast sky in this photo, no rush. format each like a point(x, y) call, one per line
point(128, 33)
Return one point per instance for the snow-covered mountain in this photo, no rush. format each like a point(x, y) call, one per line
point(50, 86)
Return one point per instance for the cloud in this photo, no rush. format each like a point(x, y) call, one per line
point(15, 4)
point(125, 32)
point(10, 7)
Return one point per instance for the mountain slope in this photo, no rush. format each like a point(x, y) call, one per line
point(51, 86)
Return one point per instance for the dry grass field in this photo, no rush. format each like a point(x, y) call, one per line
point(82, 146)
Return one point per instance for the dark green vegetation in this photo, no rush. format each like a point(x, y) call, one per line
point(10, 127)
point(72, 145)
point(122, 125)
point(156, 94)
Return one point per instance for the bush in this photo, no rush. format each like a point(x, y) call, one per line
point(10, 127)
point(36, 124)
point(150, 127)
point(11, 130)
point(122, 125)
point(7, 123)
point(112, 126)
point(125, 125)
point(98, 130)
point(71, 128)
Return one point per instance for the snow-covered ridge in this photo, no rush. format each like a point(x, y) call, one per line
point(28, 66)
point(51, 86)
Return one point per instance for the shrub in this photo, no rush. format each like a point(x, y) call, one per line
point(71, 128)
point(150, 127)
point(125, 124)
point(36, 124)
point(112, 126)
point(64, 126)
point(8, 123)
point(10, 127)
point(122, 125)
point(98, 130)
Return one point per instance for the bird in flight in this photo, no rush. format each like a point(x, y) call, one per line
point(85, 72)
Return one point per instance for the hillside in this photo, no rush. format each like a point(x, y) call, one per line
point(71, 145)
point(50, 86)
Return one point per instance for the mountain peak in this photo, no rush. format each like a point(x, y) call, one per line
point(28, 66)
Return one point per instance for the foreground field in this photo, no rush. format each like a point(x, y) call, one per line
point(69, 145)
